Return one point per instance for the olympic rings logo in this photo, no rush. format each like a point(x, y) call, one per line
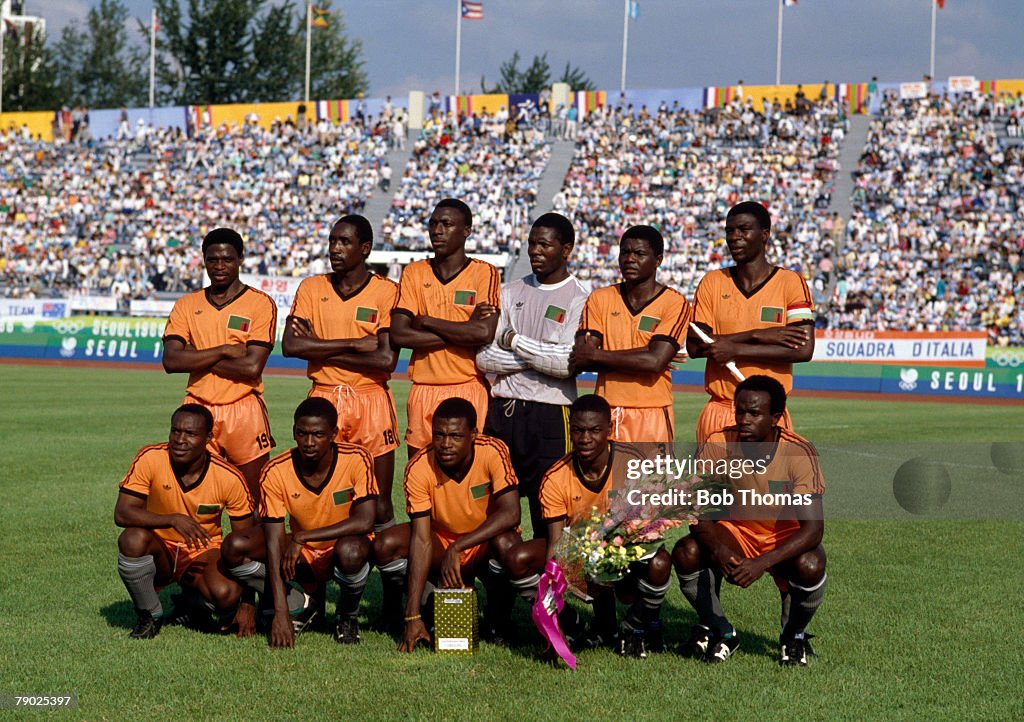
point(67, 328)
point(1007, 357)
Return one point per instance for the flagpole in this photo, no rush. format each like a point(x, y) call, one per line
point(458, 45)
point(778, 49)
point(309, 30)
point(931, 66)
point(152, 59)
point(625, 44)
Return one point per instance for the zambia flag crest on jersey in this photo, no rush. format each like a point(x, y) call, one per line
point(465, 298)
point(772, 314)
point(366, 315)
point(345, 496)
point(481, 490)
point(239, 323)
point(648, 323)
point(556, 314)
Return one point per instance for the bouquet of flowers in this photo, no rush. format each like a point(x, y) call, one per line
point(601, 546)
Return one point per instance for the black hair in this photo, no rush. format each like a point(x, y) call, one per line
point(456, 408)
point(646, 233)
point(364, 231)
point(458, 205)
point(591, 403)
point(561, 225)
point(776, 393)
point(317, 408)
point(223, 235)
point(196, 410)
point(755, 209)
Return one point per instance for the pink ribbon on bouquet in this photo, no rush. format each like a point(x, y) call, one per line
point(550, 601)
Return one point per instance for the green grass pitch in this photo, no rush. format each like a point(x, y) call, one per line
point(921, 620)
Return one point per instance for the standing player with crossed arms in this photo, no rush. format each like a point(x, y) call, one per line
point(221, 336)
point(340, 323)
point(447, 308)
point(759, 317)
point(629, 334)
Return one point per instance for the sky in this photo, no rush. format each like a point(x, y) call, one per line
point(410, 44)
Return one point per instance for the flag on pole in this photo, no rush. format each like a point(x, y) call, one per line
point(634, 9)
point(156, 22)
point(320, 18)
point(472, 10)
point(941, 4)
point(789, 3)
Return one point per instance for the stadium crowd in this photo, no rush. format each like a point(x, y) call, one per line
point(493, 162)
point(681, 170)
point(121, 216)
point(934, 242)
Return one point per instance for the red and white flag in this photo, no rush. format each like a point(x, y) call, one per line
point(472, 10)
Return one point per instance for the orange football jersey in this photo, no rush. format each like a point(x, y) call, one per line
point(565, 494)
point(366, 312)
point(249, 318)
point(723, 308)
point(793, 469)
point(423, 293)
point(220, 488)
point(621, 328)
point(459, 507)
point(284, 491)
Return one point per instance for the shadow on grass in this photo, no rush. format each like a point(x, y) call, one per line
point(119, 614)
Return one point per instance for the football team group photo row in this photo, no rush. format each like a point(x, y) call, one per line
point(514, 468)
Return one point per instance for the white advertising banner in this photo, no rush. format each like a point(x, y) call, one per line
point(954, 348)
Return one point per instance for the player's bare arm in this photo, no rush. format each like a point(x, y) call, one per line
point(419, 567)
point(130, 511)
point(178, 357)
point(477, 331)
point(366, 353)
point(281, 632)
point(745, 572)
point(555, 529)
point(405, 335)
point(655, 358)
point(360, 521)
point(504, 517)
point(790, 344)
point(248, 367)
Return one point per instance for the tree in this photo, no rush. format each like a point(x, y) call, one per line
point(227, 51)
point(100, 67)
point(336, 63)
point(576, 79)
point(28, 70)
point(277, 49)
point(535, 78)
point(209, 57)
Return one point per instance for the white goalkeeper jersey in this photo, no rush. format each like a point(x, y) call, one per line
point(545, 318)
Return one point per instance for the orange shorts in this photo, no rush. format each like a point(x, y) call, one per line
point(469, 558)
point(366, 416)
point(720, 413)
point(320, 561)
point(636, 425)
point(241, 431)
point(754, 545)
point(182, 557)
point(424, 399)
